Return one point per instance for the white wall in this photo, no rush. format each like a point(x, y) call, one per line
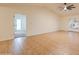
point(39, 21)
point(6, 23)
point(43, 21)
point(6, 30)
point(65, 22)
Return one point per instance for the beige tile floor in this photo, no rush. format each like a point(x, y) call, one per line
point(54, 43)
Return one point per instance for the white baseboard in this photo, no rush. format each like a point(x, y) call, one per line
point(42, 33)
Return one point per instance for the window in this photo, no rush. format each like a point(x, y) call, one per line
point(74, 24)
point(18, 24)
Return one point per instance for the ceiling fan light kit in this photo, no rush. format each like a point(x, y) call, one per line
point(65, 8)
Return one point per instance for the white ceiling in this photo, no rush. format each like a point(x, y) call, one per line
point(54, 7)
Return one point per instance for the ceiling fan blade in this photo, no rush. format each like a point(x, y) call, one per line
point(69, 9)
point(70, 6)
point(73, 7)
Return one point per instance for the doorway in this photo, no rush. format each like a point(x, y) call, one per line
point(19, 25)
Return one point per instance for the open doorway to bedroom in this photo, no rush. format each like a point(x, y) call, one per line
point(19, 25)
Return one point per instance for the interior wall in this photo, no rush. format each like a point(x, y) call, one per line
point(6, 23)
point(42, 21)
point(39, 20)
point(65, 21)
point(6, 29)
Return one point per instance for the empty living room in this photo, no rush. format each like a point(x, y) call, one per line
point(39, 29)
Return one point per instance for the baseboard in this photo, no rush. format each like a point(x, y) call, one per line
point(6, 38)
point(42, 33)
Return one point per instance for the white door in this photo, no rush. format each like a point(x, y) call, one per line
point(20, 25)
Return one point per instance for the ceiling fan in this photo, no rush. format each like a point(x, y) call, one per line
point(68, 7)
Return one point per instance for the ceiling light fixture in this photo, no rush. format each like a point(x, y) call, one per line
point(68, 7)
point(65, 7)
